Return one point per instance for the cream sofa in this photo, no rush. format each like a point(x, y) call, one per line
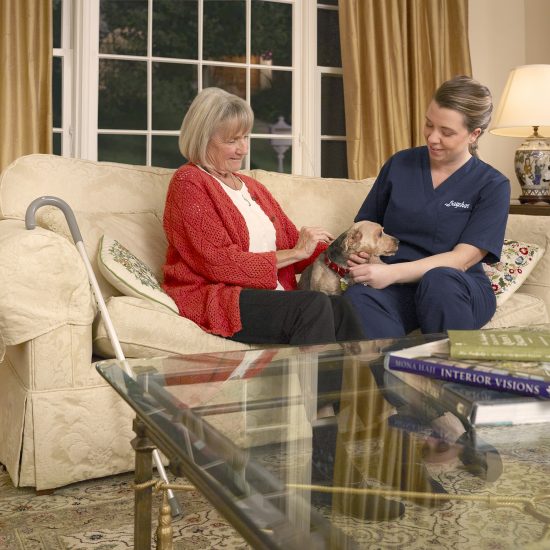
point(59, 421)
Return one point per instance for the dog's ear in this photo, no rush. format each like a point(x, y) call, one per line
point(353, 236)
point(337, 243)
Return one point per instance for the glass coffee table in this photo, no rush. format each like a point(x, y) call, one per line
point(320, 447)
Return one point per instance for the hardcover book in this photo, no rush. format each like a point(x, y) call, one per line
point(517, 344)
point(531, 378)
point(477, 405)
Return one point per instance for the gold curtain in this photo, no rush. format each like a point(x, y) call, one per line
point(369, 451)
point(25, 78)
point(395, 53)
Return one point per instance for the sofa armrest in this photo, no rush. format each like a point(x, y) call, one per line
point(536, 230)
point(43, 283)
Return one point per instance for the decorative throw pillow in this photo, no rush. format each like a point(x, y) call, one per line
point(129, 274)
point(517, 260)
point(141, 232)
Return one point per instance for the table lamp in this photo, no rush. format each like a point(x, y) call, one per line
point(524, 111)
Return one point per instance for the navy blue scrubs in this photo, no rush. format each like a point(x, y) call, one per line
point(471, 207)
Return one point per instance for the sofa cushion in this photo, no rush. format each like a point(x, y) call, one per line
point(148, 329)
point(85, 185)
point(536, 230)
point(129, 275)
point(140, 232)
point(517, 260)
point(520, 309)
point(330, 202)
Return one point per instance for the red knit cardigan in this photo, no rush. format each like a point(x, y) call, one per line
point(207, 261)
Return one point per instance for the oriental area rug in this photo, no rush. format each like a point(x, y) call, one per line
point(99, 514)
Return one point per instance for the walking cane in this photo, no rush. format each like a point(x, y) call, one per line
point(30, 223)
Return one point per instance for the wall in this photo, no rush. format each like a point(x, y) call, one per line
point(537, 44)
point(504, 34)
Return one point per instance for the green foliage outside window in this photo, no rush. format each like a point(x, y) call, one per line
point(123, 31)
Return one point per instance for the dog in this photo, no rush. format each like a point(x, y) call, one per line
point(328, 273)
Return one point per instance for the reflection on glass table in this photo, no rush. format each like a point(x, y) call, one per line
point(320, 447)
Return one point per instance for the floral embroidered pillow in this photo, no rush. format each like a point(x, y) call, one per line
point(517, 260)
point(129, 274)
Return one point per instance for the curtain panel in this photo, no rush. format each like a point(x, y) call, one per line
point(370, 452)
point(395, 53)
point(25, 78)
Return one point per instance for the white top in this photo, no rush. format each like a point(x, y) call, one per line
point(261, 232)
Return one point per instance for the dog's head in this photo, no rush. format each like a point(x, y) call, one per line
point(368, 237)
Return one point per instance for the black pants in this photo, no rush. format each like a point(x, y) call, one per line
point(297, 317)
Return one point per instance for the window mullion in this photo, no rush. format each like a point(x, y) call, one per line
point(149, 139)
point(86, 78)
point(68, 129)
point(248, 42)
point(306, 143)
point(201, 44)
point(67, 60)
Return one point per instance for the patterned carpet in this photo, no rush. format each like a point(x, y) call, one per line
point(98, 514)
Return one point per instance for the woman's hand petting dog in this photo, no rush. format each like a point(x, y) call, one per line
point(374, 275)
point(308, 239)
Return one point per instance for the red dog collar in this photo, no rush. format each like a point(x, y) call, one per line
point(342, 271)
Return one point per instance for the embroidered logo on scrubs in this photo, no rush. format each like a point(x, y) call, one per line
point(455, 204)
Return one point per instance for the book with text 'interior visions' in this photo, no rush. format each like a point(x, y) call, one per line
point(479, 406)
point(432, 359)
point(517, 344)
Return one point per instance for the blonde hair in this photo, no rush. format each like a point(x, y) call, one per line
point(211, 110)
point(470, 98)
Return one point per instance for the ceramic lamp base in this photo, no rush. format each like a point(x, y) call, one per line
point(532, 165)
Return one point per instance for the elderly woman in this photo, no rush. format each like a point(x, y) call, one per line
point(232, 251)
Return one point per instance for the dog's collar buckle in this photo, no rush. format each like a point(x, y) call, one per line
point(342, 271)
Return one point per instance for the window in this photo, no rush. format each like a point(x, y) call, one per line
point(141, 62)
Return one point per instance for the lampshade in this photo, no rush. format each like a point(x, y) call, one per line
point(525, 103)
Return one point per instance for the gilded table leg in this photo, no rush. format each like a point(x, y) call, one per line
point(143, 498)
point(165, 533)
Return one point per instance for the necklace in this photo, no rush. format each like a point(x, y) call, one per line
point(236, 184)
point(241, 189)
point(233, 181)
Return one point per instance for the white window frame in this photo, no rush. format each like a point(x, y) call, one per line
point(66, 54)
point(80, 83)
point(307, 85)
point(86, 72)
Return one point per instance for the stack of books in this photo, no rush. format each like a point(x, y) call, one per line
point(487, 377)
